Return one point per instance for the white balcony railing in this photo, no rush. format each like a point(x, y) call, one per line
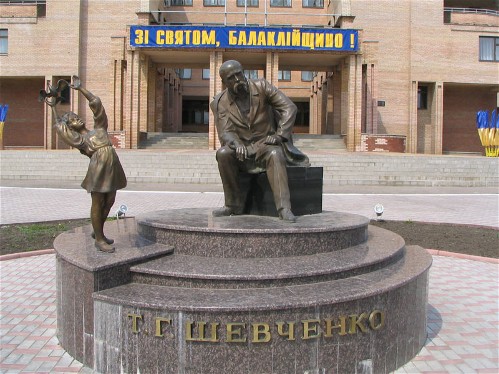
point(470, 16)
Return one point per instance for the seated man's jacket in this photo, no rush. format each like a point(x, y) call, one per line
point(271, 112)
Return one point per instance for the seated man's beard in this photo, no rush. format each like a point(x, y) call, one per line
point(241, 87)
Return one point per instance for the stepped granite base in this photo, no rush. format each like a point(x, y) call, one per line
point(327, 294)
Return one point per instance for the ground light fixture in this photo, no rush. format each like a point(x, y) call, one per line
point(121, 211)
point(378, 209)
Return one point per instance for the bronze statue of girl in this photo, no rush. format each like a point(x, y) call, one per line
point(105, 174)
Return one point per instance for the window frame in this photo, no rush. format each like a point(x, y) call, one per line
point(312, 6)
point(203, 75)
point(422, 98)
point(4, 41)
point(183, 3)
point(283, 5)
point(183, 76)
point(281, 76)
point(495, 49)
point(313, 73)
point(238, 3)
point(66, 93)
point(217, 1)
point(251, 74)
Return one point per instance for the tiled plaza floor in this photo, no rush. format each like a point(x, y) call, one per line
point(463, 310)
point(462, 319)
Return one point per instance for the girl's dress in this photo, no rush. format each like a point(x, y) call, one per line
point(105, 173)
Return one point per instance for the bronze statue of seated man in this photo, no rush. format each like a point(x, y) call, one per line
point(254, 121)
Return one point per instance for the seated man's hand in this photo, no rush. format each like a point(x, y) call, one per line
point(241, 152)
point(273, 140)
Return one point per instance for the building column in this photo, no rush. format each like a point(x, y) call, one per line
point(152, 79)
point(215, 87)
point(143, 93)
point(352, 77)
point(371, 100)
point(51, 139)
point(117, 85)
point(50, 134)
point(329, 100)
point(315, 107)
point(177, 102)
point(160, 100)
point(137, 98)
point(412, 136)
point(358, 101)
point(323, 104)
point(336, 98)
point(118, 89)
point(438, 119)
point(312, 123)
point(132, 106)
point(272, 68)
point(175, 127)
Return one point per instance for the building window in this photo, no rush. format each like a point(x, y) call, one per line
point(66, 91)
point(281, 3)
point(251, 74)
point(206, 73)
point(181, 2)
point(489, 48)
point(251, 3)
point(307, 76)
point(4, 41)
point(184, 73)
point(422, 97)
point(41, 10)
point(213, 2)
point(284, 75)
point(313, 3)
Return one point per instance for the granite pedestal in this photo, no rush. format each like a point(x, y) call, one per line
point(243, 294)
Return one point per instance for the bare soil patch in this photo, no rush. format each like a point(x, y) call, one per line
point(472, 240)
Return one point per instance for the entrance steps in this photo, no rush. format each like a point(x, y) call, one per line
point(165, 140)
point(199, 167)
point(304, 142)
point(310, 142)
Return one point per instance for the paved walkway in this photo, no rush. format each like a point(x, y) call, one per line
point(475, 207)
point(463, 310)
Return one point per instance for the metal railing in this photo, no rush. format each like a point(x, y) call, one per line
point(472, 10)
point(226, 13)
point(22, 2)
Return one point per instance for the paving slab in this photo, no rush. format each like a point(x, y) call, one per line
point(463, 318)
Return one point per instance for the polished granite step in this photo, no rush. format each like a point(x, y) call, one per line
point(414, 263)
point(381, 249)
point(196, 232)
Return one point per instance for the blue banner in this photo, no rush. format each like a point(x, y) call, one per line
point(275, 38)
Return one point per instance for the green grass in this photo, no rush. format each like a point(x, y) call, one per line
point(26, 237)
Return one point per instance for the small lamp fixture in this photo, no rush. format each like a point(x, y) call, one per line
point(121, 211)
point(378, 209)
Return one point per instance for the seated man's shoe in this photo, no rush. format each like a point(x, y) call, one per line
point(225, 211)
point(287, 215)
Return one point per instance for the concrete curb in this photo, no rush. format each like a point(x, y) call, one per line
point(437, 252)
point(40, 252)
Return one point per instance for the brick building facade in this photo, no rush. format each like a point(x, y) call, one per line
point(421, 71)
